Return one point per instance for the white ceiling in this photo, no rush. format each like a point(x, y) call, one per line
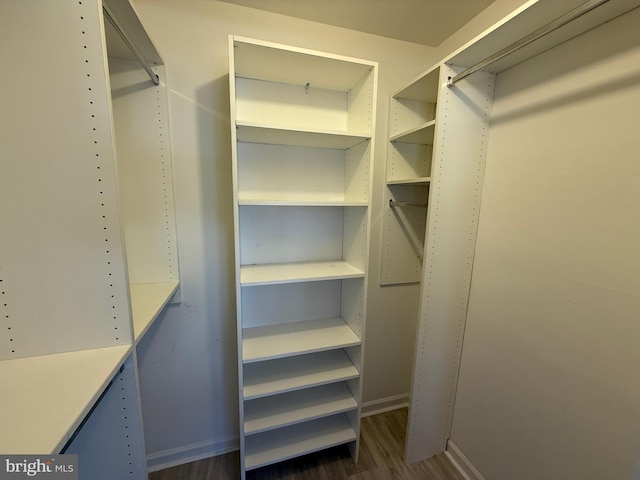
point(427, 22)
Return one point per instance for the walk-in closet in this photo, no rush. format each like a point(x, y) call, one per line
point(250, 240)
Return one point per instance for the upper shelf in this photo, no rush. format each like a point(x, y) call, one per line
point(259, 133)
point(297, 66)
point(410, 181)
point(423, 89)
point(527, 19)
point(420, 135)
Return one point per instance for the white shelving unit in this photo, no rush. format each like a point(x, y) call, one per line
point(302, 140)
point(89, 257)
point(458, 157)
point(412, 125)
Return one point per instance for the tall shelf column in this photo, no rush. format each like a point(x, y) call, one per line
point(302, 140)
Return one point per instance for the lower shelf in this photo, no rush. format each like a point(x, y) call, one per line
point(287, 409)
point(285, 443)
point(45, 398)
point(289, 374)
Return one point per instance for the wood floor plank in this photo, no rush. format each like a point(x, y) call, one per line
point(381, 457)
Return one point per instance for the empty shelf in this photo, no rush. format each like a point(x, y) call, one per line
point(45, 398)
point(147, 301)
point(283, 375)
point(272, 135)
point(410, 181)
point(301, 202)
point(303, 405)
point(284, 443)
point(424, 88)
point(421, 135)
point(288, 339)
point(271, 274)
point(273, 63)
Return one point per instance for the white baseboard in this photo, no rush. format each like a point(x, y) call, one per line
point(385, 405)
point(190, 453)
point(462, 463)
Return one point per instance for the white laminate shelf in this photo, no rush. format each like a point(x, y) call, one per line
point(45, 398)
point(423, 89)
point(272, 274)
point(410, 181)
point(252, 132)
point(291, 202)
point(272, 377)
point(298, 338)
point(147, 301)
point(284, 64)
point(288, 409)
point(284, 443)
point(420, 135)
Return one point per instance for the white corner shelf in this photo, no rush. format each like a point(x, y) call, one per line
point(252, 132)
point(147, 301)
point(281, 376)
point(45, 398)
point(419, 135)
point(423, 89)
point(277, 445)
point(296, 338)
point(271, 274)
point(270, 413)
point(409, 166)
point(411, 181)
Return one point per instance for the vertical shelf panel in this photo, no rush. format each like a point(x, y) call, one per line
point(60, 242)
point(459, 160)
point(63, 268)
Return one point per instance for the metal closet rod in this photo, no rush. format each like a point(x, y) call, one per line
point(130, 45)
point(393, 203)
point(517, 45)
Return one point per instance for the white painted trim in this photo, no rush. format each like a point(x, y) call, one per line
point(383, 405)
point(191, 453)
point(462, 463)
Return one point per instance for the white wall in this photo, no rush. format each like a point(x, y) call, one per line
point(548, 386)
point(187, 362)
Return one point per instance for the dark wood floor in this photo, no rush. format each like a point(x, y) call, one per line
point(381, 458)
